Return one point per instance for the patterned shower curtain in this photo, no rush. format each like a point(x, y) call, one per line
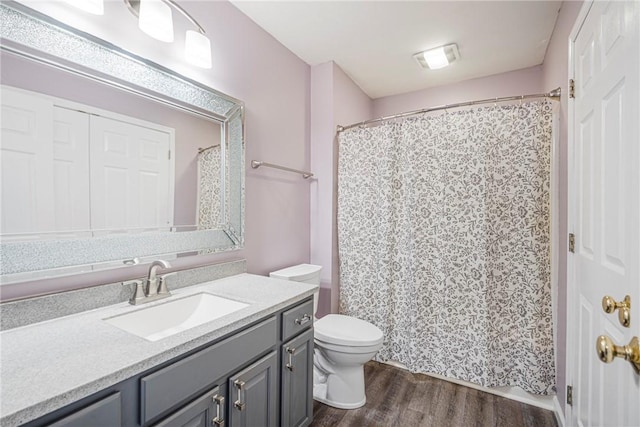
point(444, 242)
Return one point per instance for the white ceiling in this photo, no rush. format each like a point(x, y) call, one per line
point(373, 41)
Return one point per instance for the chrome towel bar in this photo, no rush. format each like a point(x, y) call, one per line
point(256, 164)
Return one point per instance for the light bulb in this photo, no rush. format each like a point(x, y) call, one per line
point(92, 6)
point(197, 49)
point(436, 58)
point(155, 19)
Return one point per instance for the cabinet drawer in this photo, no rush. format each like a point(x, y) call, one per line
point(297, 319)
point(105, 412)
point(170, 386)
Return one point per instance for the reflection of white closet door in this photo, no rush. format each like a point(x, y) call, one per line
point(26, 153)
point(71, 169)
point(130, 173)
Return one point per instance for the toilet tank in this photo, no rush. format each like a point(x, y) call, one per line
point(306, 273)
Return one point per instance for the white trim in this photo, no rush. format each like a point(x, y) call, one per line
point(557, 410)
point(571, 318)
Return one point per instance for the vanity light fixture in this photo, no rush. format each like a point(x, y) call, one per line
point(92, 6)
point(438, 57)
point(155, 19)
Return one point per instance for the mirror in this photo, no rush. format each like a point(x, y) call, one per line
point(139, 161)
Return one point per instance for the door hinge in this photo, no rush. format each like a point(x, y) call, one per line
point(569, 395)
point(169, 155)
point(572, 243)
point(572, 88)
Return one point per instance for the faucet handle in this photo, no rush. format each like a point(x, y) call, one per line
point(162, 285)
point(138, 293)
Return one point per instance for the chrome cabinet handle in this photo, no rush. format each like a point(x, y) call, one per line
point(219, 419)
point(291, 352)
point(305, 319)
point(239, 404)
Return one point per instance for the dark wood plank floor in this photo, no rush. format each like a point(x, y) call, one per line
point(396, 397)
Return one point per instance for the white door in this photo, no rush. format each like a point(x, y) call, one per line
point(45, 166)
point(70, 170)
point(26, 197)
point(604, 211)
point(130, 171)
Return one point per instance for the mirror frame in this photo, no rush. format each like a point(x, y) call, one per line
point(40, 38)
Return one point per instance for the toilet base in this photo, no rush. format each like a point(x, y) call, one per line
point(340, 405)
point(343, 388)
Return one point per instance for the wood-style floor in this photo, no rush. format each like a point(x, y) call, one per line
point(396, 397)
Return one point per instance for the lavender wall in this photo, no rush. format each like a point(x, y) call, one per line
point(555, 73)
point(335, 99)
point(252, 66)
point(527, 80)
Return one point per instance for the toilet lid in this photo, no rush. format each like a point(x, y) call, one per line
point(346, 330)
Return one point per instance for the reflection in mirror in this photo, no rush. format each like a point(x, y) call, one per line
point(125, 153)
point(107, 162)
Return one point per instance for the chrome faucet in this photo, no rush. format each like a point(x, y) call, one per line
point(154, 287)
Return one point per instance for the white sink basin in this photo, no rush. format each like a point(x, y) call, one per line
point(175, 316)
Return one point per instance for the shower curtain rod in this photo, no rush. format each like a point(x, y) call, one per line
point(554, 94)
point(202, 150)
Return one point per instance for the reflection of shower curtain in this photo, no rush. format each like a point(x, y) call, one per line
point(209, 206)
point(444, 242)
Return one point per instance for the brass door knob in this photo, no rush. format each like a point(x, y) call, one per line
point(609, 305)
point(607, 351)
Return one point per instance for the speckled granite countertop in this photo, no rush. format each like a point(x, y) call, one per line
point(47, 365)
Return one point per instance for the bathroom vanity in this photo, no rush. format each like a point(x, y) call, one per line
point(248, 368)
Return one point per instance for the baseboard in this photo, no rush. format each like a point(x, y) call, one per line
point(558, 411)
point(513, 393)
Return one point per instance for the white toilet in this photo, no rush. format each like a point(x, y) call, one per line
point(343, 344)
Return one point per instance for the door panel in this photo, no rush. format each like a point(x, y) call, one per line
point(130, 167)
point(26, 163)
point(605, 210)
point(253, 394)
point(71, 169)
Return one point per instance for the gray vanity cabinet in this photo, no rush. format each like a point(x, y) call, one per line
point(103, 413)
point(206, 411)
point(297, 381)
point(253, 394)
point(259, 376)
point(296, 361)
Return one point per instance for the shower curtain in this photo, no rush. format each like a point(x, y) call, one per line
point(444, 242)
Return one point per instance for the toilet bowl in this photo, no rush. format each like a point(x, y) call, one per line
point(342, 345)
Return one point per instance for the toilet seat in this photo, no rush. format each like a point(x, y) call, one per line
point(340, 330)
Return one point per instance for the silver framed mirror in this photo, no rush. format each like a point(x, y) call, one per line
point(36, 40)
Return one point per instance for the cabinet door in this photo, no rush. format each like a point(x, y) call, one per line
point(254, 394)
point(206, 411)
point(297, 381)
